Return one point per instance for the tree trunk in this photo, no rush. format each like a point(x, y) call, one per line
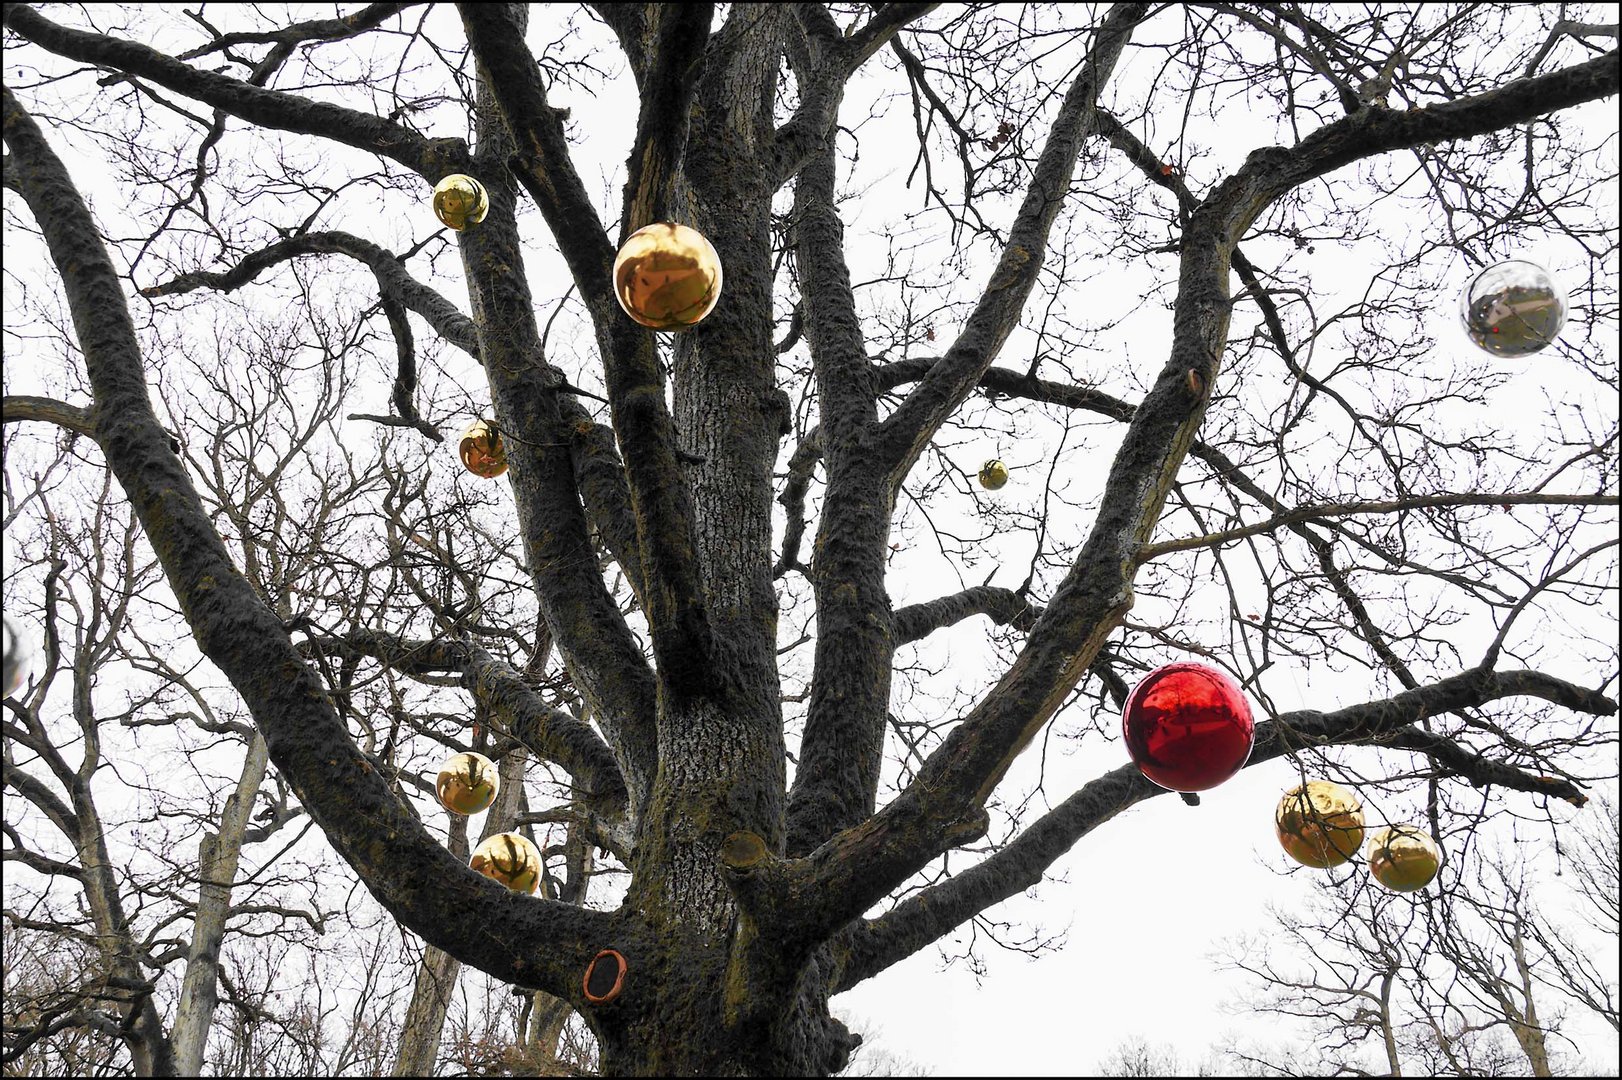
point(217, 869)
point(128, 987)
point(1387, 1029)
point(1528, 1032)
point(425, 1017)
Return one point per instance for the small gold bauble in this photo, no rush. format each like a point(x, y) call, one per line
point(1403, 858)
point(1320, 824)
point(467, 783)
point(993, 475)
point(460, 201)
point(482, 451)
point(667, 276)
point(510, 859)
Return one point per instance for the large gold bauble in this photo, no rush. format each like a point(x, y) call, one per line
point(482, 451)
point(1512, 308)
point(510, 859)
point(460, 201)
point(667, 276)
point(993, 475)
point(1320, 824)
point(467, 783)
point(1403, 858)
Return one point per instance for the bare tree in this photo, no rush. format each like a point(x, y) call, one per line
point(759, 743)
point(1573, 969)
point(1457, 982)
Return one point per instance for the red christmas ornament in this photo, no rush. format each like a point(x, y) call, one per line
point(1188, 727)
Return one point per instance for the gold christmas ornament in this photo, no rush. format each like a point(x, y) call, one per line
point(510, 859)
point(16, 659)
point(1403, 858)
point(993, 475)
point(482, 451)
point(1512, 308)
point(1320, 824)
point(467, 783)
point(460, 201)
point(667, 276)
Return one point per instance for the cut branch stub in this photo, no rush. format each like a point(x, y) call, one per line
point(743, 851)
point(604, 978)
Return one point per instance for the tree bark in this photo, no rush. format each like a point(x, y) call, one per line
point(217, 867)
point(1524, 1022)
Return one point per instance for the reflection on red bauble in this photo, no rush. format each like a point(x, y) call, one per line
point(1188, 727)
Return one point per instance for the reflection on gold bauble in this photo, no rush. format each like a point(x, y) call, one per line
point(460, 201)
point(482, 451)
point(510, 859)
point(993, 475)
point(467, 783)
point(1320, 824)
point(16, 659)
point(1403, 858)
point(1512, 308)
point(667, 276)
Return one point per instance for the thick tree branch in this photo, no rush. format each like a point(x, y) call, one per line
point(531, 942)
point(392, 277)
point(49, 803)
point(39, 863)
point(1323, 511)
point(953, 783)
point(672, 70)
point(551, 734)
point(403, 396)
point(603, 488)
point(1010, 383)
point(878, 943)
point(431, 158)
point(286, 38)
point(670, 589)
point(1271, 171)
point(801, 464)
point(19, 407)
point(842, 748)
point(906, 432)
point(1004, 607)
point(822, 81)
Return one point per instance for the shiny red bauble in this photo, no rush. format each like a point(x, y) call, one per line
point(1188, 727)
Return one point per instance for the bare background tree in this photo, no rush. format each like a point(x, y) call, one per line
point(763, 769)
point(1475, 979)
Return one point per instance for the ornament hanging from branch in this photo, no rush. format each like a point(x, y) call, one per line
point(460, 201)
point(483, 453)
point(1188, 727)
point(1403, 858)
point(1320, 824)
point(467, 783)
point(1512, 308)
point(510, 859)
point(667, 276)
point(993, 475)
